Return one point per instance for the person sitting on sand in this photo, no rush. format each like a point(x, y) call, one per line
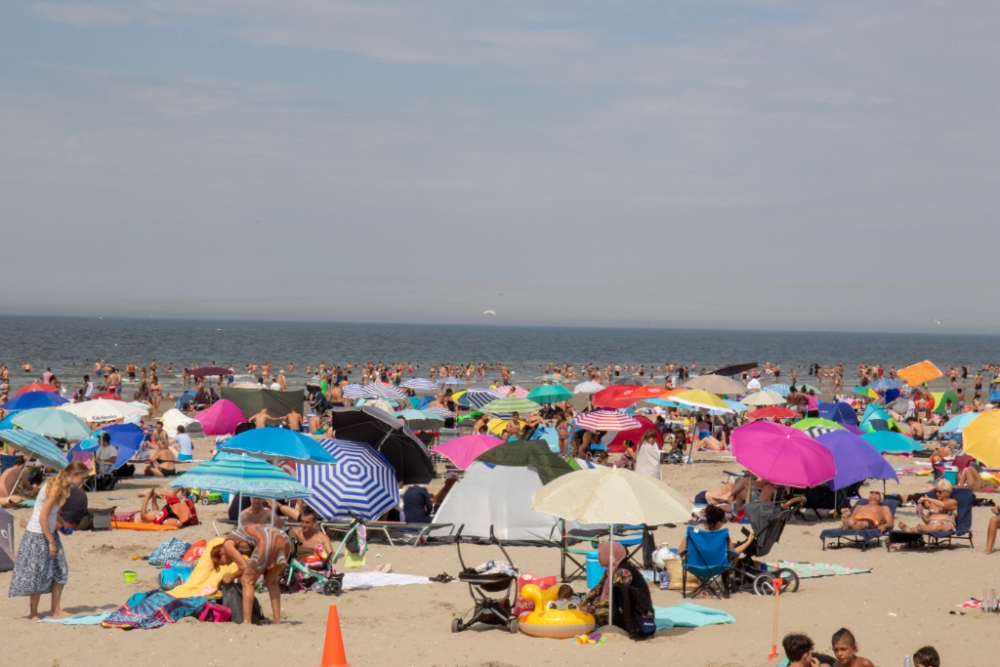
point(971, 479)
point(845, 648)
point(161, 462)
point(943, 511)
point(311, 540)
point(260, 512)
point(14, 485)
point(874, 515)
point(991, 530)
point(627, 581)
point(799, 652)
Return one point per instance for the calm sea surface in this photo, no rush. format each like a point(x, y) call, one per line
point(66, 345)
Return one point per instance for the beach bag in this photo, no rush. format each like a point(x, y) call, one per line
point(195, 552)
point(232, 598)
point(169, 549)
point(183, 510)
point(215, 613)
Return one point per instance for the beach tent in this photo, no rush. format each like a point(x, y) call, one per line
point(842, 413)
point(877, 419)
point(6, 541)
point(221, 418)
point(173, 418)
point(278, 403)
point(496, 491)
point(945, 402)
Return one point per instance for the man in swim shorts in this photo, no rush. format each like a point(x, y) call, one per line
point(874, 515)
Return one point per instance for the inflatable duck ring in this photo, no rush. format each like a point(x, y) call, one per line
point(552, 618)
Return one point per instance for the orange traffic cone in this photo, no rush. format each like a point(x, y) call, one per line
point(333, 647)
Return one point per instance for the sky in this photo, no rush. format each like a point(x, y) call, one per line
point(760, 165)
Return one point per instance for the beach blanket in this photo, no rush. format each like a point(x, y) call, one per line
point(146, 611)
point(131, 525)
point(204, 581)
point(354, 580)
point(811, 570)
point(83, 619)
point(689, 615)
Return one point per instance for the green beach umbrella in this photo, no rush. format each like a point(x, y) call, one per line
point(230, 473)
point(509, 405)
point(815, 426)
point(550, 393)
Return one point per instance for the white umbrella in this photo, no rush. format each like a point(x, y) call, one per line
point(101, 410)
point(762, 398)
point(588, 388)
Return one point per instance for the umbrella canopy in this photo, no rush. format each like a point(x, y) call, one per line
point(510, 405)
point(242, 474)
point(451, 380)
point(779, 389)
point(508, 390)
point(106, 396)
point(100, 411)
point(533, 454)
point(477, 398)
point(867, 392)
point(353, 391)
point(34, 399)
point(362, 482)
point(981, 438)
point(773, 412)
point(611, 495)
point(35, 446)
point(419, 384)
point(36, 386)
point(782, 455)
point(623, 395)
point(443, 413)
point(420, 420)
point(381, 390)
point(842, 413)
point(890, 442)
point(205, 371)
point(814, 426)
point(715, 384)
point(763, 398)
point(51, 423)
point(884, 383)
point(466, 449)
point(617, 444)
point(958, 423)
point(381, 430)
point(628, 382)
point(700, 399)
point(605, 419)
point(735, 369)
point(855, 458)
point(127, 438)
point(221, 418)
point(917, 374)
point(277, 444)
point(588, 387)
point(735, 406)
point(551, 393)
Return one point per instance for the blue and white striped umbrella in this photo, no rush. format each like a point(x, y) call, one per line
point(362, 481)
point(354, 391)
point(451, 380)
point(779, 389)
point(477, 398)
point(420, 384)
point(440, 412)
point(379, 390)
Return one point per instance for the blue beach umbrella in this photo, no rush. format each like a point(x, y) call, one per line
point(419, 384)
point(890, 442)
point(126, 438)
point(242, 474)
point(884, 384)
point(34, 399)
point(379, 390)
point(35, 446)
point(856, 459)
point(420, 420)
point(354, 391)
point(994, 397)
point(277, 444)
point(779, 389)
point(477, 398)
point(51, 423)
point(363, 481)
point(451, 380)
point(957, 423)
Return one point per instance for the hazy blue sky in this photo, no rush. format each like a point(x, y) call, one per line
point(715, 164)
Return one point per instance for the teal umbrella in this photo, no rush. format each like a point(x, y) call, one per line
point(420, 420)
point(242, 474)
point(35, 446)
point(958, 423)
point(550, 393)
point(52, 423)
point(277, 444)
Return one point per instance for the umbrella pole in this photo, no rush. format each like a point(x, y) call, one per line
point(610, 583)
point(16, 482)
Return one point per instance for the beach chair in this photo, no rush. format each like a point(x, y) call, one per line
point(963, 525)
point(706, 557)
point(822, 497)
point(446, 434)
point(637, 540)
point(861, 537)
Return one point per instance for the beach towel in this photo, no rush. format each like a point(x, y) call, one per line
point(84, 619)
point(811, 570)
point(689, 615)
point(133, 525)
point(204, 581)
point(146, 611)
point(371, 579)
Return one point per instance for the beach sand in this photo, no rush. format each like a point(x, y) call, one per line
point(908, 601)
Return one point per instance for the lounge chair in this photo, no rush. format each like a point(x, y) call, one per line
point(637, 540)
point(403, 532)
point(845, 537)
point(944, 538)
point(707, 557)
point(822, 497)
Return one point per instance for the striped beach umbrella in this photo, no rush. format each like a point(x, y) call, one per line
point(242, 474)
point(451, 379)
point(441, 412)
point(362, 482)
point(606, 419)
point(380, 390)
point(420, 420)
point(354, 391)
point(510, 405)
point(477, 398)
point(419, 384)
point(512, 389)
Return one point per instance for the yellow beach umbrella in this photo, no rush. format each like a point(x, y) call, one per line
point(981, 438)
point(498, 426)
point(699, 398)
point(762, 398)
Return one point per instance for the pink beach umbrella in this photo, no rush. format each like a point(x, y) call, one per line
point(463, 451)
point(221, 419)
point(782, 455)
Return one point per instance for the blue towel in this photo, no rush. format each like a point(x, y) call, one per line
point(85, 619)
point(689, 615)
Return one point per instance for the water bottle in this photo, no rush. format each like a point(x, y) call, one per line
point(664, 579)
point(907, 662)
point(595, 571)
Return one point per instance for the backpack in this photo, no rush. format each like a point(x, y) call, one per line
point(215, 613)
point(183, 510)
point(232, 598)
point(169, 549)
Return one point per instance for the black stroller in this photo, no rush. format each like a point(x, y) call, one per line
point(490, 610)
point(768, 521)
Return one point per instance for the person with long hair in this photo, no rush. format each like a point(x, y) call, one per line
point(41, 566)
point(257, 550)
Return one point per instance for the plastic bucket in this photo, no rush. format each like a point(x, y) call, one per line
point(130, 577)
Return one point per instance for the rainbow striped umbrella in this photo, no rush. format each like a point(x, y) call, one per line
point(606, 419)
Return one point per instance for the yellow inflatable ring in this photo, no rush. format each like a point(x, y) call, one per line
point(548, 620)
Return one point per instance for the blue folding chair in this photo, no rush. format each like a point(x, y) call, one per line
point(707, 557)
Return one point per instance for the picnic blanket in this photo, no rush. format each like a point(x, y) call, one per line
point(83, 619)
point(811, 570)
point(689, 615)
point(371, 579)
point(154, 609)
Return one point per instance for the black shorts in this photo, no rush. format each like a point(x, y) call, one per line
point(167, 473)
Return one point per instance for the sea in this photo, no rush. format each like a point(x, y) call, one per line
point(70, 345)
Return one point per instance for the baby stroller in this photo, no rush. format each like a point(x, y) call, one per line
point(490, 610)
point(768, 521)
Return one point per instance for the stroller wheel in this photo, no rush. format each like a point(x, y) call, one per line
point(332, 587)
point(790, 580)
point(512, 626)
point(456, 625)
point(763, 584)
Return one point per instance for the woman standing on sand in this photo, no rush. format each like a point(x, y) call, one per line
point(41, 562)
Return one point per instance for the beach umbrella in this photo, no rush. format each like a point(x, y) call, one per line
point(8, 554)
point(498, 426)
point(353, 391)
point(549, 394)
point(981, 438)
point(918, 374)
point(617, 444)
point(782, 455)
point(623, 395)
point(477, 398)
point(385, 404)
point(126, 438)
point(958, 423)
point(762, 398)
point(814, 426)
point(51, 423)
point(510, 405)
point(34, 399)
point(99, 411)
point(277, 444)
point(588, 387)
point(855, 458)
point(884, 384)
point(106, 396)
point(734, 406)
point(380, 390)
point(605, 419)
point(186, 397)
point(396, 442)
point(420, 420)
point(994, 397)
point(628, 382)
point(779, 389)
point(715, 384)
point(362, 482)
point(245, 475)
point(508, 390)
point(419, 384)
point(890, 442)
point(466, 449)
point(841, 412)
point(36, 386)
point(867, 392)
point(451, 380)
point(773, 412)
point(554, 378)
point(735, 369)
point(221, 418)
point(206, 371)
point(444, 413)
point(35, 446)
point(700, 399)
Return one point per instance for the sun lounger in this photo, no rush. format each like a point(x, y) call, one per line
point(863, 537)
point(963, 525)
point(415, 533)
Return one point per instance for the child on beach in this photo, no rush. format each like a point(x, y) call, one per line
point(845, 648)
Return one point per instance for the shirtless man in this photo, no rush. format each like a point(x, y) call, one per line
point(866, 517)
point(14, 486)
point(259, 512)
point(336, 395)
point(261, 418)
point(315, 424)
point(309, 536)
point(294, 420)
point(726, 494)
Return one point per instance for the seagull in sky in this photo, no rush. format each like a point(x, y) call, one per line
point(937, 321)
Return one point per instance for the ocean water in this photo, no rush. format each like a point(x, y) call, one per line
point(71, 345)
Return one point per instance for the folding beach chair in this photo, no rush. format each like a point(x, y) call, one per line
point(861, 537)
point(944, 538)
point(707, 557)
point(637, 540)
point(822, 497)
